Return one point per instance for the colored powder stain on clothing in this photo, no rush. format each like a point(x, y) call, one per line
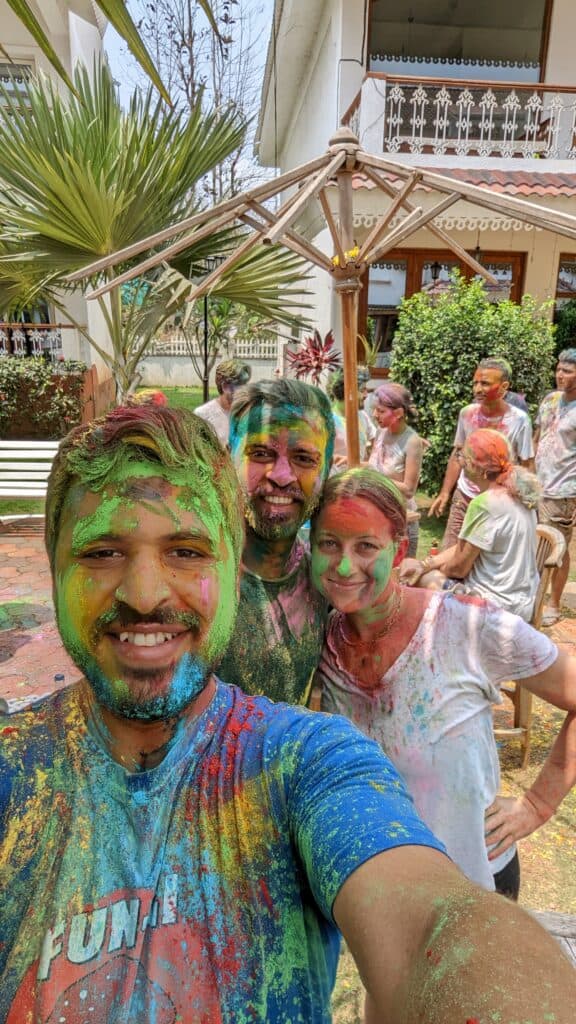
point(277, 639)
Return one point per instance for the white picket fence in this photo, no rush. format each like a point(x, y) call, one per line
point(242, 348)
point(168, 361)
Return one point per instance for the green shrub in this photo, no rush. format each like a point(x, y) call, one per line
point(438, 345)
point(39, 399)
point(566, 326)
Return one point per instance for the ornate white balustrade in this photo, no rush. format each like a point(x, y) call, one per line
point(31, 340)
point(459, 118)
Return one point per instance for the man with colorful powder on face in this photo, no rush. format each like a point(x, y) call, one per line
point(488, 410)
point(281, 439)
point(173, 850)
point(556, 468)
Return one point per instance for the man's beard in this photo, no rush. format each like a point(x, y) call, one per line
point(133, 694)
point(275, 528)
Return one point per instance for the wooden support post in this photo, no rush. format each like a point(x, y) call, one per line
point(348, 289)
point(348, 285)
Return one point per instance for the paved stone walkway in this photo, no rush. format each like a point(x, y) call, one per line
point(31, 652)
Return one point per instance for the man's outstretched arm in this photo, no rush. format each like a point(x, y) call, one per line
point(432, 948)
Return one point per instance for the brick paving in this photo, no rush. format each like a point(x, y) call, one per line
point(31, 652)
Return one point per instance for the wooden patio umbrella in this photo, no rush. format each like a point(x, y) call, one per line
point(312, 182)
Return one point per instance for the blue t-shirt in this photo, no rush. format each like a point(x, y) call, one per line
point(200, 891)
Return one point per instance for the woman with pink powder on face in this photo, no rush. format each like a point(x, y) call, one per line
point(418, 672)
point(495, 555)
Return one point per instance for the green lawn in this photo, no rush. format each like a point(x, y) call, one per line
point(21, 506)
point(431, 530)
point(184, 398)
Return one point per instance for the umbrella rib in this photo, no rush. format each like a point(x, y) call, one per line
point(442, 235)
point(378, 230)
point(261, 192)
point(412, 224)
point(314, 184)
point(530, 212)
point(172, 250)
point(220, 270)
point(332, 227)
point(311, 251)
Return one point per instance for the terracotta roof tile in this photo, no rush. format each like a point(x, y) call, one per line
point(512, 183)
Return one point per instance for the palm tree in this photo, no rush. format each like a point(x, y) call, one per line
point(80, 178)
point(117, 13)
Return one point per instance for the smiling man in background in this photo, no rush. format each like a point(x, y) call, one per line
point(490, 409)
point(281, 439)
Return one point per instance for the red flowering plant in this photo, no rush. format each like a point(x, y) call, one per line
point(314, 356)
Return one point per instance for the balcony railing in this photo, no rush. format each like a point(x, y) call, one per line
point(17, 339)
point(465, 118)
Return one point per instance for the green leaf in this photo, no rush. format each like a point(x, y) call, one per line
point(117, 13)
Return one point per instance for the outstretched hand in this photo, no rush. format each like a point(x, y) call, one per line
point(411, 569)
point(509, 819)
point(438, 506)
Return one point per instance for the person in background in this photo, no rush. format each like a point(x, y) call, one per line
point(418, 672)
point(489, 409)
point(366, 429)
point(495, 554)
point(230, 376)
point(281, 439)
point(555, 437)
point(398, 449)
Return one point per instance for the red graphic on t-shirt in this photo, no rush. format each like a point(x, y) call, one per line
point(127, 959)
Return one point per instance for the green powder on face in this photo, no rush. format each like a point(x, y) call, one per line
point(99, 522)
point(383, 567)
point(345, 567)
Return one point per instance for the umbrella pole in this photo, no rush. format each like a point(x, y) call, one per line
point(348, 286)
point(348, 290)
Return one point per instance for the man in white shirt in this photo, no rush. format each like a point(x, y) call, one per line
point(229, 376)
point(489, 409)
point(556, 468)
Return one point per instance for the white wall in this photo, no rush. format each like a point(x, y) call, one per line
point(85, 42)
point(560, 66)
point(178, 371)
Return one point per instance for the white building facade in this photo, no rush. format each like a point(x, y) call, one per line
point(485, 92)
point(75, 30)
